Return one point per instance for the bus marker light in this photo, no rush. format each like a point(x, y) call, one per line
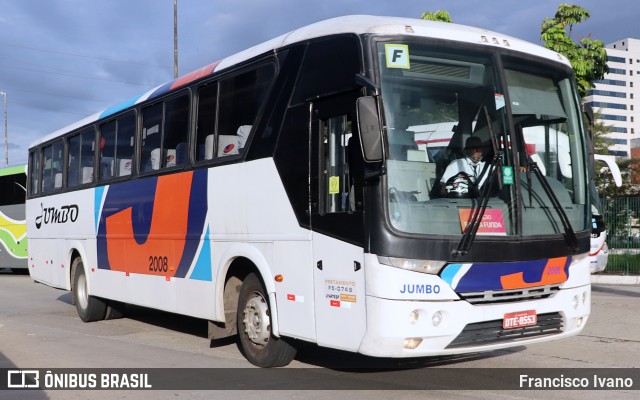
point(579, 322)
point(279, 278)
point(575, 302)
point(413, 316)
point(437, 318)
point(412, 343)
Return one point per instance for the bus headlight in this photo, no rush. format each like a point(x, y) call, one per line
point(424, 266)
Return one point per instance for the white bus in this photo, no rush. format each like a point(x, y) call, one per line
point(278, 194)
point(599, 252)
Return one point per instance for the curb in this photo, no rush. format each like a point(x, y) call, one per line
point(616, 279)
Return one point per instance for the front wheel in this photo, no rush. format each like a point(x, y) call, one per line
point(89, 308)
point(257, 343)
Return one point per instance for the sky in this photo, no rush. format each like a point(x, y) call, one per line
point(62, 60)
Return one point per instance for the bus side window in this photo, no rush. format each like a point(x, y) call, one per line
point(206, 124)
point(81, 153)
point(34, 172)
point(175, 131)
point(241, 98)
point(116, 147)
point(107, 150)
point(52, 168)
point(151, 137)
point(123, 157)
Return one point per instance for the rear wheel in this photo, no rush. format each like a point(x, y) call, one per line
point(257, 343)
point(89, 308)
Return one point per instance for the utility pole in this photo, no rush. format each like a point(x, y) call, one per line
point(6, 131)
point(175, 38)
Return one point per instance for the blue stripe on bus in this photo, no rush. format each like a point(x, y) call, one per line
point(450, 272)
point(119, 107)
point(202, 269)
point(97, 201)
point(161, 90)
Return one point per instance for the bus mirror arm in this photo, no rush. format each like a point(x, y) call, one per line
point(363, 81)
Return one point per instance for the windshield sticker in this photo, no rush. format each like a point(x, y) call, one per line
point(499, 101)
point(397, 55)
point(507, 174)
point(334, 184)
point(492, 222)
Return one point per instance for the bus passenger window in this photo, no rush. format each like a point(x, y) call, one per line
point(107, 150)
point(151, 138)
point(52, 168)
point(123, 157)
point(241, 98)
point(116, 147)
point(206, 124)
point(34, 172)
point(176, 130)
point(80, 163)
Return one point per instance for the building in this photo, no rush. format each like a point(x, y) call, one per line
point(617, 96)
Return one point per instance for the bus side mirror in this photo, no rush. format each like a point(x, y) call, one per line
point(370, 130)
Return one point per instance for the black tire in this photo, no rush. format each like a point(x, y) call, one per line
point(89, 308)
point(257, 342)
point(20, 271)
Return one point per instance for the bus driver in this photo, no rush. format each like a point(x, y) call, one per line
point(472, 165)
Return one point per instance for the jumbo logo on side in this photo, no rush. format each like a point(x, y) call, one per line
point(153, 226)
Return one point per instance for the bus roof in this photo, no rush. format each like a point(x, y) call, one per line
point(15, 170)
point(357, 24)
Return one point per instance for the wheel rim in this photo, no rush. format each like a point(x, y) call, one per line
point(257, 324)
point(81, 289)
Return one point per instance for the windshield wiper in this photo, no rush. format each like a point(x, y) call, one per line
point(469, 234)
point(569, 233)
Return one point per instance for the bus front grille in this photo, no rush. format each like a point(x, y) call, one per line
point(504, 296)
point(492, 332)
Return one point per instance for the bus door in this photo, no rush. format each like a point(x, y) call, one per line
point(337, 226)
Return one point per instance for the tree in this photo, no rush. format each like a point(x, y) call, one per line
point(587, 57)
point(440, 15)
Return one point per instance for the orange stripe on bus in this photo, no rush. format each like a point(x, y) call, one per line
point(161, 252)
point(553, 273)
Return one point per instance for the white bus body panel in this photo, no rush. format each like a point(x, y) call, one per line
point(394, 315)
point(266, 232)
point(338, 276)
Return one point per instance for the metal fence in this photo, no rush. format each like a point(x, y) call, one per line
point(622, 216)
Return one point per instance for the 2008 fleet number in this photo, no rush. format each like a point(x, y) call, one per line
point(158, 264)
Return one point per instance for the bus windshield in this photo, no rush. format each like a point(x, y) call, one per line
point(451, 123)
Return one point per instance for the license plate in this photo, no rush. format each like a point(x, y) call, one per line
point(519, 319)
